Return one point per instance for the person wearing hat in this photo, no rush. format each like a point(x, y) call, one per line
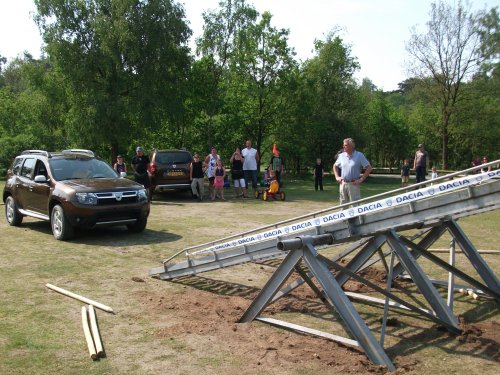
point(120, 165)
point(140, 164)
point(421, 163)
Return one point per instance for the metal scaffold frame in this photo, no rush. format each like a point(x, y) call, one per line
point(379, 224)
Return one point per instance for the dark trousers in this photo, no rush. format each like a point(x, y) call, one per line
point(420, 173)
point(318, 181)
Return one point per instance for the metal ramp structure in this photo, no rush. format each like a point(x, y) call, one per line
point(372, 223)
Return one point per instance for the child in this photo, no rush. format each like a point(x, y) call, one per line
point(405, 173)
point(434, 174)
point(272, 182)
point(120, 166)
point(319, 172)
point(220, 174)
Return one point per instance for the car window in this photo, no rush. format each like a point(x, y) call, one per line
point(16, 167)
point(27, 168)
point(173, 157)
point(67, 169)
point(40, 169)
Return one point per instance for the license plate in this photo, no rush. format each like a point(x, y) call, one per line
point(175, 173)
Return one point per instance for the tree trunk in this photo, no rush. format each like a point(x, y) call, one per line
point(446, 136)
point(114, 152)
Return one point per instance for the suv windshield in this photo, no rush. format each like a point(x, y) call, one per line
point(68, 169)
point(173, 157)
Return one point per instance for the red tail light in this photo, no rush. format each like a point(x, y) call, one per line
point(152, 168)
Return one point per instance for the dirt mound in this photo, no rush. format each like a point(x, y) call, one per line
point(483, 337)
point(200, 313)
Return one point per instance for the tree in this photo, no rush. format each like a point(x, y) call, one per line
point(328, 105)
point(217, 46)
point(259, 75)
point(125, 62)
point(449, 52)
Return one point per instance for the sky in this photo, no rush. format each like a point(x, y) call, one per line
point(376, 30)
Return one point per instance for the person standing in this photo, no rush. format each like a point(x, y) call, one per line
point(210, 163)
point(120, 165)
point(350, 162)
point(276, 163)
point(250, 162)
point(220, 174)
point(237, 174)
point(485, 169)
point(197, 177)
point(421, 163)
point(140, 164)
point(405, 173)
point(434, 173)
point(319, 172)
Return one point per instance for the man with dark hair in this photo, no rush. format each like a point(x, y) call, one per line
point(140, 164)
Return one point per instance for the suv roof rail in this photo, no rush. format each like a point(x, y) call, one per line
point(78, 151)
point(36, 152)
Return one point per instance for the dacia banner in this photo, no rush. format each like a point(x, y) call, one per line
point(352, 212)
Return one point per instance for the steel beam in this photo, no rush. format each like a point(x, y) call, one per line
point(361, 257)
point(474, 257)
point(279, 277)
point(421, 280)
point(355, 325)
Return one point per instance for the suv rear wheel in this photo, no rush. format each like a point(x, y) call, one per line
point(61, 228)
point(12, 215)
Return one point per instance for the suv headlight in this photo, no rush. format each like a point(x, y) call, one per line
point(87, 198)
point(142, 196)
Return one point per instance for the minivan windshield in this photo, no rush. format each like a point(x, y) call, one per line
point(85, 168)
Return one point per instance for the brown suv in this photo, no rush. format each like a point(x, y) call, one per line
point(72, 188)
point(169, 169)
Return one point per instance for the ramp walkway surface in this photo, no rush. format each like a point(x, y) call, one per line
point(450, 197)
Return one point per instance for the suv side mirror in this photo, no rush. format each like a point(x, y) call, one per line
point(123, 174)
point(40, 178)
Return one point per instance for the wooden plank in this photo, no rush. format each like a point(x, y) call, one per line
point(310, 331)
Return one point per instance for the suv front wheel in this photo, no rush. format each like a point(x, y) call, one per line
point(61, 228)
point(12, 215)
point(138, 226)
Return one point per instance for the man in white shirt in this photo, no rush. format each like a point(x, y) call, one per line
point(250, 162)
point(347, 171)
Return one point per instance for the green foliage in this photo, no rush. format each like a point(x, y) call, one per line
point(125, 64)
point(118, 73)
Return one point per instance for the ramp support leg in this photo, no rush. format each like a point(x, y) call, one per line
point(421, 280)
point(474, 257)
point(353, 321)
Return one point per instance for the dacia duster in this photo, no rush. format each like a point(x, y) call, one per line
point(72, 188)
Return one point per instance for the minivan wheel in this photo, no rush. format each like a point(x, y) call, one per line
point(61, 228)
point(138, 226)
point(12, 214)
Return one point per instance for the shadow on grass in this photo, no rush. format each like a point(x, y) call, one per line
point(309, 304)
point(417, 339)
point(108, 236)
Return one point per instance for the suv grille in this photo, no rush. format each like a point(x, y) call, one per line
point(118, 197)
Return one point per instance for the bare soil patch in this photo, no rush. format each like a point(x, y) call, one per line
point(264, 348)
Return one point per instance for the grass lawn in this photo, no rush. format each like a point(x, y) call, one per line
point(165, 327)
